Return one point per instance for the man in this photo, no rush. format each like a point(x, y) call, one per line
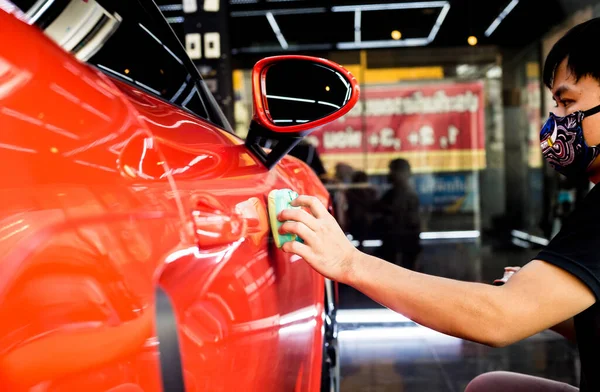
point(560, 285)
point(401, 221)
point(361, 201)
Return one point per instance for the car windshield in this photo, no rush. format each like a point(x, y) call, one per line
point(129, 41)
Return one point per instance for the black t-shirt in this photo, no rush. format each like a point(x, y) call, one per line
point(576, 249)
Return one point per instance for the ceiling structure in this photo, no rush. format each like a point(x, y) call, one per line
point(288, 26)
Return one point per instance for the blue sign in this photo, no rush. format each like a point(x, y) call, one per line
point(449, 193)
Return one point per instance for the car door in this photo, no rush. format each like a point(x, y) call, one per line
point(249, 314)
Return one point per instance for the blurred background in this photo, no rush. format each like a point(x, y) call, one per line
point(452, 87)
point(438, 168)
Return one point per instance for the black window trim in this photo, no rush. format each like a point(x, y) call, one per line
point(166, 101)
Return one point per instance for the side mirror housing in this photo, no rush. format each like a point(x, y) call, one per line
point(292, 96)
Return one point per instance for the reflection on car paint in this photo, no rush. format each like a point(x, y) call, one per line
point(100, 185)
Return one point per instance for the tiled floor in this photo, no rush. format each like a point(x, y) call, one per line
point(397, 355)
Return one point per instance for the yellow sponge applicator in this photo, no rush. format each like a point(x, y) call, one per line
point(279, 200)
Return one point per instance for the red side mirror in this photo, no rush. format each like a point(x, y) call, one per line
point(292, 96)
point(295, 94)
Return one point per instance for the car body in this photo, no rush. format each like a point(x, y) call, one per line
point(135, 248)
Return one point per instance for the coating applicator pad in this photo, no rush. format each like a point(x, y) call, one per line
point(279, 200)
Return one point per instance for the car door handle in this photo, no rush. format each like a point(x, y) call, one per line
point(214, 225)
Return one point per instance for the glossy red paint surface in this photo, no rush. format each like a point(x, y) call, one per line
point(259, 100)
point(108, 193)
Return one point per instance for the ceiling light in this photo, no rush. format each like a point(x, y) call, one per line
point(276, 48)
point(357, 26)
point(392, 43)
point(438, 22)
point(387, 6)
point(277, 31)
point(472, 40)
point(490, 30)
point(290, 11)
point(389, 43)
point(396, 35)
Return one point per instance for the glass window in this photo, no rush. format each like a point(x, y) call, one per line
point(129, 41)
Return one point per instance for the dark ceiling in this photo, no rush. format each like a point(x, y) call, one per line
point(310, 25)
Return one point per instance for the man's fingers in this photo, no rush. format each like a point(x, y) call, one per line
point(300, 229)
point(299, 216)
point(316, 207)
point(298, 249)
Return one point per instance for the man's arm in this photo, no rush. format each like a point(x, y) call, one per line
point(539, 297)
point(565, 328)
point(535, 299)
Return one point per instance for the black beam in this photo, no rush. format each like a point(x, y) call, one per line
point(207, 41)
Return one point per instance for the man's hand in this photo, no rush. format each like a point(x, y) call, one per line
point(325, 247)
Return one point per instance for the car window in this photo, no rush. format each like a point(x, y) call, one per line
point(128, 40)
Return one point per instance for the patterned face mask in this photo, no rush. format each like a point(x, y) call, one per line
point(564, 146)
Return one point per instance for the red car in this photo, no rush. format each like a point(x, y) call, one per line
point(135, 248)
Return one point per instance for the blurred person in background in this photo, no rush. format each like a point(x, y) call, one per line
point(558, 289)
point(361, 198)
point(338, 187)
point(400, 221)
point(343, 173)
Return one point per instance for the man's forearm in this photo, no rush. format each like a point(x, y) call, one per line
point(465, 310)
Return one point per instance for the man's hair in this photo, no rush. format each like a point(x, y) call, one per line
point(360, 176)
point(578, 47)
point(399, 165)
